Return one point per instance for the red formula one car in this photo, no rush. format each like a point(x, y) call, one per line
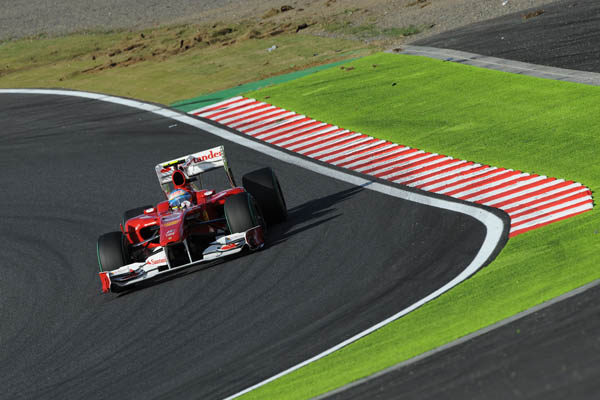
point(194, 225)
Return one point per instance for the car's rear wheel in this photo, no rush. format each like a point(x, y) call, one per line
point(264, 186)
point(110, 251)
point(241, 213)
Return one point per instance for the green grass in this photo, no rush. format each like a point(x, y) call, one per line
point(513, 121)
point(369, 30)
point(167, 63)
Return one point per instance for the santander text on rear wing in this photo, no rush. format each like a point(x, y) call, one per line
point(194, 164)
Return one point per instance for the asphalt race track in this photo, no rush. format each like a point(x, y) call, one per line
point(565, 35)
point(346, 258)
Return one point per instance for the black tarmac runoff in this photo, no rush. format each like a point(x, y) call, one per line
point(346, 259)
point(564, 34)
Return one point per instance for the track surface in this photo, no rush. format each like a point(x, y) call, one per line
point(515, 361)
point(553, 353)
point(566, 35)
point(346, 259)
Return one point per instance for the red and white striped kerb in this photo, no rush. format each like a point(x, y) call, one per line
point(531, 200)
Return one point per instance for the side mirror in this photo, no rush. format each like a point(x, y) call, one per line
point(162, 207)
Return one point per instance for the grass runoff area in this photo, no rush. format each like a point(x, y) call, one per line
point(168, 63)
point(513, 121)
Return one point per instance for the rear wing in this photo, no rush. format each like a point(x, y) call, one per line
point(194, 164)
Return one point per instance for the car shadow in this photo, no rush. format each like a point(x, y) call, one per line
point(309, 215)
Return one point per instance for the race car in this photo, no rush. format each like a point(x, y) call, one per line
point(193, 225)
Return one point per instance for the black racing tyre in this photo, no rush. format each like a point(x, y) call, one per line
point(264, 186)
point(241, 212)
point(110, 251)
point(134, 212)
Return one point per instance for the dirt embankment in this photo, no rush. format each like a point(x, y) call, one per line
point(387, 21)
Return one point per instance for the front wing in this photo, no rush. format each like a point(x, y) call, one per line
point(157, 264)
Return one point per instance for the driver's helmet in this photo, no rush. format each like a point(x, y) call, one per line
point(179, 198)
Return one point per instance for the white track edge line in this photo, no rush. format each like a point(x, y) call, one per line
point(494, 224)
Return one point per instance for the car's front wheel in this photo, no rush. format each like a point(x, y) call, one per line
point(242, 213)
point(110, 251)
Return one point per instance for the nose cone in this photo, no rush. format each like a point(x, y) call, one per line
point(171, 228)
